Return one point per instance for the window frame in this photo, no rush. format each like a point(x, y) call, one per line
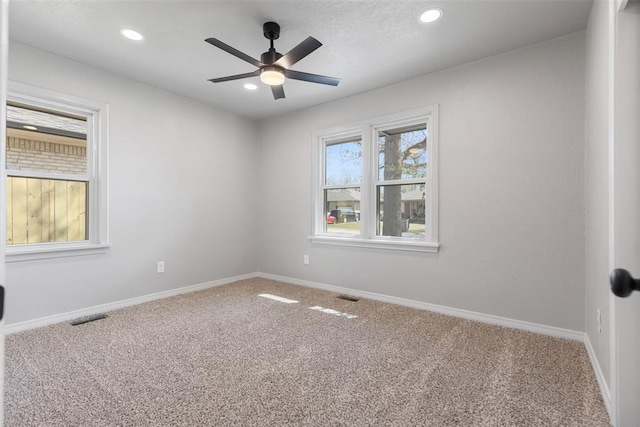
point(367, 130)
point(96, 114)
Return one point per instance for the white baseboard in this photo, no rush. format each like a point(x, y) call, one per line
point(64, 317)
point(456, 312)
point(602, 383)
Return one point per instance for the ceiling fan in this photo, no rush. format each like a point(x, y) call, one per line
point(273, 67)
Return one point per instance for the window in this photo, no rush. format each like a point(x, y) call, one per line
point(55, 163)
point(342, 178)
point(376, 183)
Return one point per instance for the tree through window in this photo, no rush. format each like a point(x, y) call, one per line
point(402, 165)
point(377, 182)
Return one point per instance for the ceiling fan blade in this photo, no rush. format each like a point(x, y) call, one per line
point(235, 77)
point(235, 52)
point(313, 78)
point(297, 53)
point(278, 91)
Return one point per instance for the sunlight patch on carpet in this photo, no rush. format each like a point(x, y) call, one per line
point(277, 298)
point(332, 311)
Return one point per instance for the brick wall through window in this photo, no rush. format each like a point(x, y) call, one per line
point(30, 154)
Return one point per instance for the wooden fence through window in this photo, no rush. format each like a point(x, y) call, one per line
point(45, 210)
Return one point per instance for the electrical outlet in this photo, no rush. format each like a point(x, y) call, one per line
point(599, 320)
point(160, 267)
point(305, 259)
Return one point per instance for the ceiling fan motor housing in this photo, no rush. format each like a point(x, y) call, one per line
point(270, 57)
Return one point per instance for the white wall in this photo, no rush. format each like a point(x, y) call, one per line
point(511, 186)
point(597, 183)
point(182, 190)
point(511, 190)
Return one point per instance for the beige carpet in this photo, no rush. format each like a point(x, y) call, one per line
point(226, 356)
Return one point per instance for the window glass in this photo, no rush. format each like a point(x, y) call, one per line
point(402, 152)
point(342, 210)
point(401, 211)
point(45, 141)
point(343, 162)
point(45, 210)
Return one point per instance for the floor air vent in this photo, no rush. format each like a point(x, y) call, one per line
point(349, 298)
point(87, 319)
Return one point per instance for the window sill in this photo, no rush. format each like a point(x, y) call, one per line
point(396, 245)
point(18, 253)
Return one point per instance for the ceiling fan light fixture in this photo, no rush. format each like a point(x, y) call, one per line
point(271, 76)
point(431, 15)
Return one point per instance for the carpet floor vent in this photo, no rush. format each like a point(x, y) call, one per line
point(349, 298)
point(87, 319)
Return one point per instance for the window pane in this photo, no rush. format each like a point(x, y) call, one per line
point(401, 211)
point(343, 162)
point(342, 210)
point(45, 210)
point(45, 141)
point(402, 152)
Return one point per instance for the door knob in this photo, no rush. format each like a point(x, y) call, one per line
point(622, 284)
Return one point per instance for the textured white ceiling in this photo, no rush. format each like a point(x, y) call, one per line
point(368, 44)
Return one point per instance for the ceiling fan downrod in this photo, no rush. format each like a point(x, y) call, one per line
point(271, 31)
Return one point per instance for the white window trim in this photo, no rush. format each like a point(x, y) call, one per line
point(97, 114)
point(367, 129)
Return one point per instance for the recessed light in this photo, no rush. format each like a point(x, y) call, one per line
point(29, 127)
point(250, 86)
point(431, 15)
point(131, 34)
